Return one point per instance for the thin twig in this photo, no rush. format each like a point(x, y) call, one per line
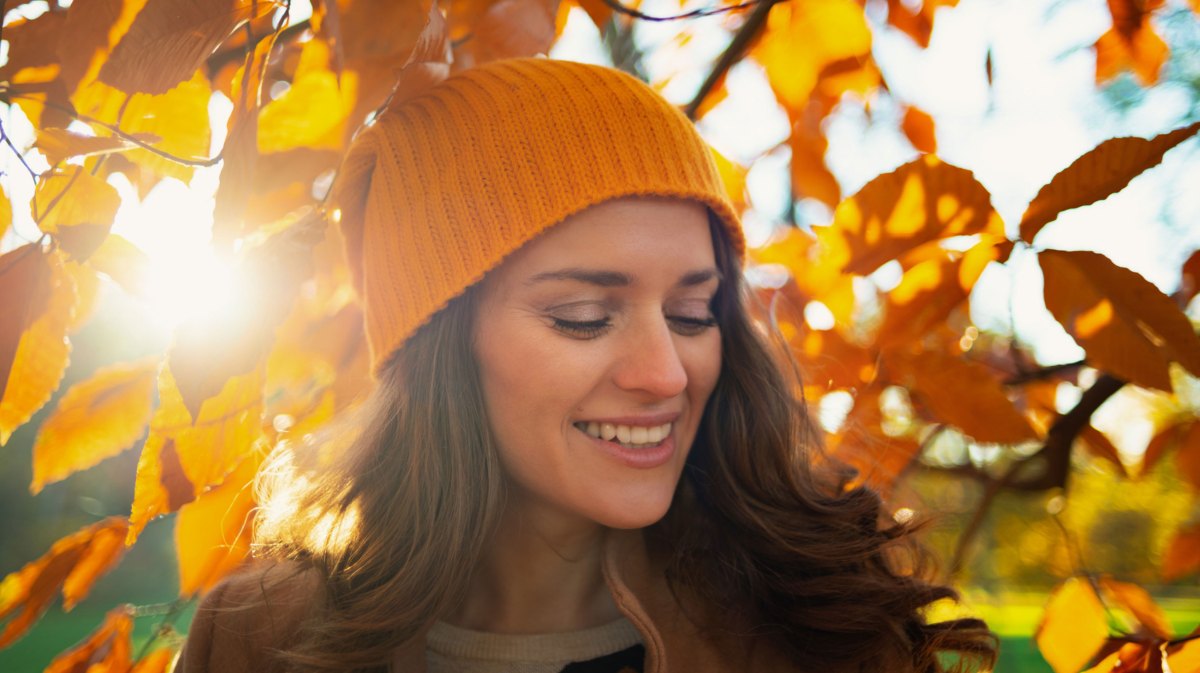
point(8, 141)
point(168, 620)
point(732, 53)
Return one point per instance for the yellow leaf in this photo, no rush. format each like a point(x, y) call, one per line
point(177, 119)
point(1127, 326)
point(1098, 174)
point(123, 262)
point(77, 209)
point(803, 39)
point(1073, 627)
point(1187, 456)
point(1159, 444)
point(73, 564)
point(1185, 657)
point(25, 282)
point(811, 177)
point(160, 486)
point(315, 111)
point(5, 214)
point(87, 293)
point(108, 648)
point(919, 202)
point(170, 40)
point(961, 393)
point(95, 419)
point(212, 534)
point(41, 355)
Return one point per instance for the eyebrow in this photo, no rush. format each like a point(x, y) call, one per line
point(616, 278)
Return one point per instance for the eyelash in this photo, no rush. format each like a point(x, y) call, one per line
point(590, 329)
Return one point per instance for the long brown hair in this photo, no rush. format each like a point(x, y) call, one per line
point(393, 518)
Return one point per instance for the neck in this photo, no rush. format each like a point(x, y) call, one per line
point(541, 573)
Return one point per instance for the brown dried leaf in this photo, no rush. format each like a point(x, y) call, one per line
point(918, 127)
point(513, 28)
point(1073, 627)
point(1100, 446)
point(919, 202)
point(1098, 174)
point(1164, 440)
point(73, 564)
point(1127, 326)
point(42, 354)
point(170, 39)
point(95, 419)
point(59, 144)
point(1189, 281)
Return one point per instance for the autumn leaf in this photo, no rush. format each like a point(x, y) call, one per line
point(170, 39)
point(733, 177)
point(108, 648)
point(1139, 604)
point(1098, 174)
point(32, 69)
point(919, 202)
point(811, 177)
point(1125, 324)
point(1185, 657)
point(1163, 440)
point(77, 209)
point(95, 419)
point(1131, 43)
point(158, 661)
point(510, 29)
point(59, 144)
point(124, 263)
point(861, 443)
point(43, 351)
point(315, 110)
point(25, 277)
point(1189, 281)
point(919, 129)
point(830, 362)
point(1073, 627)
point(5, 214)
point(803, 39)
point(1187, 456)
point(160, 485)
point(598, 11)
point(1131, 657)
point(1100, 446)
point(212, 534)
point(73, 564)
point(960, 393)
point(429, 62)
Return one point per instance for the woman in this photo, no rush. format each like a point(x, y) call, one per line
point(581, 455)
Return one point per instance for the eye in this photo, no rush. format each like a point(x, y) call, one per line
point(582, 329)
point(688, 326)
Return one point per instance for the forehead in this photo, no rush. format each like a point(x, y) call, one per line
point(639, 235)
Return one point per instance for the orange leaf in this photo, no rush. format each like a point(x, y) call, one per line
point(160, 486)
point(1187, 457)
point(511, 29)
point(33, 65)
point(862, 443)
point(1137, 657)
point(212, 534)
point(43, 351)
point(1189, 281)
point(1138, 602)
point(811, 177)
point(733, 176)
point(1160, 443)
point(1185, 657)
point(918, 128)
point(599, 12)
point(77, 209)
point(25, 283)
point(170, 39)
point(917, 24)
point(59, 144)
point(5, 214)
point(1101, 447)
point(158, 661)
point(72, 564)
point(87, 293)
point(961, 393)
point(95, 419)
point(830, 362)
point(1073, 627)
point(107, 649)
point(919, 202)
point(1098, 174)
point(1131, 43)
point(429, 62)
point(1127, 326)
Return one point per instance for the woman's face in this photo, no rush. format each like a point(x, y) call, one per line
point(599, 327)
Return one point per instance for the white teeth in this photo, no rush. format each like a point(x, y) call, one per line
point(607, 431)
point(628, 435)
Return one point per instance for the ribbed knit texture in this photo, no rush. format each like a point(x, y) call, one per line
point(452, 649)
point(446, 184)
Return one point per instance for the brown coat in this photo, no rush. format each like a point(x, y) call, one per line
point(248, 614)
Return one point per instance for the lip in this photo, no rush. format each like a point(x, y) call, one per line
point(641, 459)
point(645, 420)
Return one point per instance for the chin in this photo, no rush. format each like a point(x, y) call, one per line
point(636, 513)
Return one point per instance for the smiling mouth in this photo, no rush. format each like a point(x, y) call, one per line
point(628, 436)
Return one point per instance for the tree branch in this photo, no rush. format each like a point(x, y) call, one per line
point(1044, 373)
point(732, 54)
point(8, 141)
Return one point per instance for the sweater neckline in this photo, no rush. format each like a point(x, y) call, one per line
point(457, 642)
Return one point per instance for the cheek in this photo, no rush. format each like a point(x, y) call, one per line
point(704, 358)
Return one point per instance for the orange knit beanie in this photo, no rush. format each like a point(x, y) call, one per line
point(445, 184)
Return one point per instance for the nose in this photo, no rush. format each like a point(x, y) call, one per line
point(652, 363)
